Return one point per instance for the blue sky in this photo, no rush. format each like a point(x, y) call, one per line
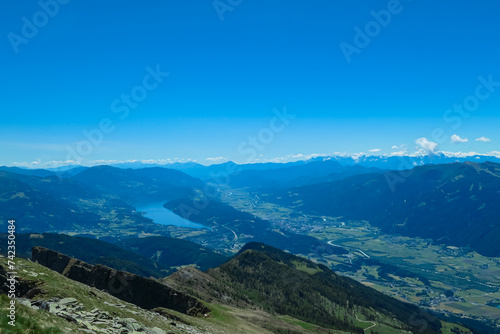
point(232, 65)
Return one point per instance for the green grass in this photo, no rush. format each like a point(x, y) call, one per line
point(300, 323)
point(447, 327)
point(55, 285)
point(219, 313)
point(302, 267)
point(27, 320)
point(363, 324)
point(424, 260)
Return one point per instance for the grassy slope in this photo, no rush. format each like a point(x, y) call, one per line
point(222, 320)
point(282, 283)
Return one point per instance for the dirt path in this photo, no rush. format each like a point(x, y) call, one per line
point(367, 328)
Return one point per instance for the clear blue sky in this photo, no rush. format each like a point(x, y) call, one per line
point(226, 77)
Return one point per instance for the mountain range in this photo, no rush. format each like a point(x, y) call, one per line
point(148, 256)
point(240, 255)
point(261, 289)
point(455, 204)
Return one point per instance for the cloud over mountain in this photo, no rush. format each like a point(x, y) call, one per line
point(427, 145)
point(458, 139)
point(483, 139)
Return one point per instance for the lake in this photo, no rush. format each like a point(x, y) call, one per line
point(160, 215)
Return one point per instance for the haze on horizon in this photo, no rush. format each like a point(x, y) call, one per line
point(246, 81)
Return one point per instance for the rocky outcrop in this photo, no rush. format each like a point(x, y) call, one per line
point(143, 292)
point(21, 287)
point(93, 321)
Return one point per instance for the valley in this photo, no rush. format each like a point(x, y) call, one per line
point(317, 221)
point(451, 280)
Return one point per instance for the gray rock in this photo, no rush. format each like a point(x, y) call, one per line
point(95, 321)
point(104, 315)
point(24, 301)
point(87, 331)
point(66, 316)
point(95, 310)
point(131, 324)
point(65, 301)
point(45, 306)
point(143, 292)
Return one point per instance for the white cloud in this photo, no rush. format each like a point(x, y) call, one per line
point(483, 139)
point(457, 139)
point(301, 156)
point(295, 156)
point(399, 149)
point(398, 154)
point(496, 154)
point(47, 164)
point(375, 150)
point(216, 159)
point(90, 163)
point(460, 154)
point(426, 145)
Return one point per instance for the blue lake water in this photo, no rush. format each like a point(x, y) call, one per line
point(160, 215)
